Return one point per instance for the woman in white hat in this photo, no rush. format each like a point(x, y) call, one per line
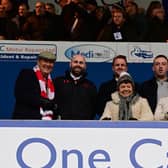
point(126, 104)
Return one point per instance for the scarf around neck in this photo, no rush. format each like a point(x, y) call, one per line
point(125, 106)
point(47, 91)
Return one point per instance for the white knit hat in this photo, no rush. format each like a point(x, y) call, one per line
point(125, 77)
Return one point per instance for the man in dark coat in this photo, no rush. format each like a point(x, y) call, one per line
point(119, 65)
point(119, 29)
point(75, 95)
point(34, 91)
point(43, 26)
point(156, 87)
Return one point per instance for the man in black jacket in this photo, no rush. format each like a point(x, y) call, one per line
point(119, 65)
point(119, 29)
point(34, 91)
point(75, 94)
point(156, 87)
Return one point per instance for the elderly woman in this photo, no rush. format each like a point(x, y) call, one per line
point(126, 104)
point(161, 112)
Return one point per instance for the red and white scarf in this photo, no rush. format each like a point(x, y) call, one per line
point(47, 91)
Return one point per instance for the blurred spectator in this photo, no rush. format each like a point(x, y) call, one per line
point(103, 15)
point(77, 23)
point(63, 3)
point(115, 7)
point(8, 29)
point(157, 25)
point(68, 13)
point(50, 8)
point(131, 9)
point(165, 5)
point(121, 4)
point(91, 7)
point(119, 29)
point(58, 24)
point(20, 19)
point(137, 19)
point(37, 24)
point(10, 6)
point(42, 25)
point(126, 2)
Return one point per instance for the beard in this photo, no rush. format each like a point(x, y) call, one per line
point(77, 71)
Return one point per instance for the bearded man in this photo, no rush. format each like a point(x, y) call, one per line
point(75, 94)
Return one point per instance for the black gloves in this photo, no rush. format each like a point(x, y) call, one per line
point(47, 104)
point(132, 118)
point(106, 118)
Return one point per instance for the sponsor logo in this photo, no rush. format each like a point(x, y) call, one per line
point(23, 52)
point(92, 52)
point(138, 52)
point(67, 155)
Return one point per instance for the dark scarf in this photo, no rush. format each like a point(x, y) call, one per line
point(125, 106)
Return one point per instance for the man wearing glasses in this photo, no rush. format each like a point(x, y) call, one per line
point(75, 94)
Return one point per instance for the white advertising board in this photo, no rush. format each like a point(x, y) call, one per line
point(93, 51)
point(83, 144)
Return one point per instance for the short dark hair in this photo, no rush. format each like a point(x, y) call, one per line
point(119, 57)
point(24, 4)
point(160, 56)
point(135, 5)
point(50, 4)
point(153, 5)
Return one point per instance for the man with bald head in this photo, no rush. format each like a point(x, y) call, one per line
point(75, 94)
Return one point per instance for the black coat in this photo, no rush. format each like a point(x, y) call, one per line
point(85, 29)
point(127, 33)
point(76, 100)
point(148, 90)
point(27, 95)
point(104, 94)
point(157, 31)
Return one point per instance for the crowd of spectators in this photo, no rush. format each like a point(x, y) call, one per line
point(83, 20)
